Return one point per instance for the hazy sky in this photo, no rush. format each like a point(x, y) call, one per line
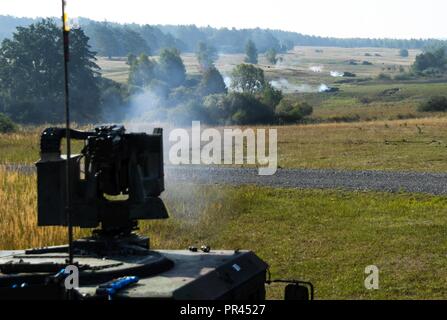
point(338, 18)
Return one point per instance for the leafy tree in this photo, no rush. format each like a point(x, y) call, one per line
point(251, 52)
point(113, 100)
point(171, 68)
point(115, 40)
point(131, 59)
point(404, 53)
point(218, 108)
point(31, 75)
point(103, 39)
point(287, 45)
point(184, 114)
point(206, 55)
point(435, 60)
point(212, 82)
point(132, 42)
point(271, 96)
point(247, 78)
point(180, 95)
point(152, 35)
point(271, 56)
point(159, 88)
point(142, 70)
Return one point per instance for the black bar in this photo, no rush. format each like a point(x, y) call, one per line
point(67, 126)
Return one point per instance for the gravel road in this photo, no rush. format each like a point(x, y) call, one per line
point(430, 183)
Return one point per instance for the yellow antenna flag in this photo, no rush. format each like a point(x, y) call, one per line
point(65, 17)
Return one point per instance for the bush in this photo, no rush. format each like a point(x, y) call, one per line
point(403, 76)
point(366, 100)
point(212, 82)
point(434, 104)
point(237, 108)
point(271, 96)
point(247, 109)
point(346, 118)
point(292, 111)
point(184, 114)
point(383, 76)
point(271, 56)
point(404, 53)
point(6, 124)
point(433, 61)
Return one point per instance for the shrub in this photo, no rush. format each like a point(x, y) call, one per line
point(6, 124)
point(434, 104)
point(403, 76)
point(404, 53)
point(271, 96)
point(184, 114)
point(383, 76)
point(249, 110)
point(434, 61)
point(346, 118)
point(237, 108)
point(292, 111)
point(366, 100)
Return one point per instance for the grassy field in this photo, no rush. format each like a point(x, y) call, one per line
point(296, 63)
point(327, 237)
point(413, 144)
point(416, 144)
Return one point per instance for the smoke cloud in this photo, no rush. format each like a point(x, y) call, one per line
point(316, 69)
point(337, 74)
point(285, 85)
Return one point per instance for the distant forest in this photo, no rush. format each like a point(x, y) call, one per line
point(113, 39)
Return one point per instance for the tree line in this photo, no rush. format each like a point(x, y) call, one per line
point(113, 39)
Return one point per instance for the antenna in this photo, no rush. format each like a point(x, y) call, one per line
point(65, 32)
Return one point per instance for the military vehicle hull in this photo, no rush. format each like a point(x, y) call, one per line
point(162, 274)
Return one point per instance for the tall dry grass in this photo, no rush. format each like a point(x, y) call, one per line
point(197, 212)
point(18, 214)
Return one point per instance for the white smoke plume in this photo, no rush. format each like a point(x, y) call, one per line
point(316, 69)
point(227, 81)
point(337, 74)
point(323, 88)
point(285, 85)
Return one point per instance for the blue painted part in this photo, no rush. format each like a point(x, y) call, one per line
point(119, 284)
